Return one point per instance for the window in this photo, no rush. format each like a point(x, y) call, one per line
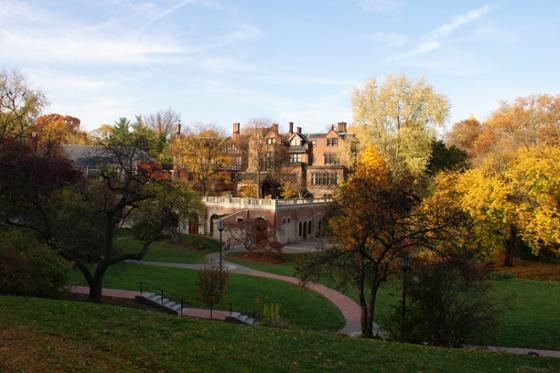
point(332, 142)
point(295, 141)
point(324, 178)
point(309, 228)
point(331, 158)
point(268, 160)
point(295, 158)
point(271, 141)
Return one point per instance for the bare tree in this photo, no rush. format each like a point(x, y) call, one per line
point(164, 122)
point(264, 153)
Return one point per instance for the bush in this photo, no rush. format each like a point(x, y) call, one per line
point(29, 268)
point(269, 314)
point(212, 285)
point(448, 304)
point(498, 276)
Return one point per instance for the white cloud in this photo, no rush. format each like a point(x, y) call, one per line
point(380, 5)
point(433, 41)
point(166, 12)
point(459, 21)
point(392, 39)
point(70, 47)
point(244, 32)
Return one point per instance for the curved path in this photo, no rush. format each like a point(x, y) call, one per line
point(349, 309)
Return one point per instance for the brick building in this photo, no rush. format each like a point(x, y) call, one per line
point(311, 162)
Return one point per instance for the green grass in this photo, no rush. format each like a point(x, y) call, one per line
point(531, 315)
point(286, 268)
point(51, 335)
point(300, 308)
point(192, 249)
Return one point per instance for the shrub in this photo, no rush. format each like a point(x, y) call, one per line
point(448, 303)
point(28, 267)
point(212, 285)
point(269, 314)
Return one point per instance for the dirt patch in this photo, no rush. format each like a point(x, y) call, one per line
point(260, 257)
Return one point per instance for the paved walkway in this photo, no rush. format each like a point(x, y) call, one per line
point(518, 351)
point(349, 309)
point(200, 313)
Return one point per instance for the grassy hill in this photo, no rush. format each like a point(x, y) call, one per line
point(51, 335)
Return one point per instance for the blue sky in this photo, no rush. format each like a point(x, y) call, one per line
point(222, 61)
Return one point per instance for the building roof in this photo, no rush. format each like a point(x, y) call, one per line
point(95, 155)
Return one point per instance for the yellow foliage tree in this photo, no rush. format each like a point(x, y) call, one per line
point(399, 117)
point(515, 202)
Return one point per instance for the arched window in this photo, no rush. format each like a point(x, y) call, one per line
point(300, 229)
point(309, 227)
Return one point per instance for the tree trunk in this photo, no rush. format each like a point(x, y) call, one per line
point(258, 184)
point(96, 283)
point(510, 246)
point(371, 311)
point(360, 282)
point(96, 289)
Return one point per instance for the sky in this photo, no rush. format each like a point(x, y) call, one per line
point(225, 61)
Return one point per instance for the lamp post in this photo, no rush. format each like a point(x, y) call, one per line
point(406, 262)
point(221, 229)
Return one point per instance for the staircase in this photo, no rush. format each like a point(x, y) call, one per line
point(155, 300)
point(170, 306)
point(237, 318)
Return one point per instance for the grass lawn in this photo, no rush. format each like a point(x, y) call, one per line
point(192, 249)
point(531, 315)
point(286, 268)
point(51, 335)
point(300, 308)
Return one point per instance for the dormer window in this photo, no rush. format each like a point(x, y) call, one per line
point(296, 142)
point(271, 141)
point(332, 142)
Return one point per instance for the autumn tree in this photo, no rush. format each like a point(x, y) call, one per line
point(516, 202)
point(399, 117)
point(54, 129)
point(202, 151)
point(20, 105)
point(525, 122)
point(464, 134)
point(375, 220)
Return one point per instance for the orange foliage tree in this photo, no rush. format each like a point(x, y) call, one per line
point(376, 219)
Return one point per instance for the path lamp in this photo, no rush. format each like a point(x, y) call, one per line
point(221, 229)
point(406, 262)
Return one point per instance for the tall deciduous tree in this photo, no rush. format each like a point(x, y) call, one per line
point(399, 117)
point(265, 158)
point(525, 122)
point(517, 201)
point(49, 202)
point(53, 129)
point(20, 105)
point(376, 219)
point(202, 151)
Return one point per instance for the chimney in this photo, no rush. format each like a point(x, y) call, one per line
point(291, 128)
point(179, 128)
point(236, 128)
point(299, 130)
point(341, 126)
point(275, 127)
